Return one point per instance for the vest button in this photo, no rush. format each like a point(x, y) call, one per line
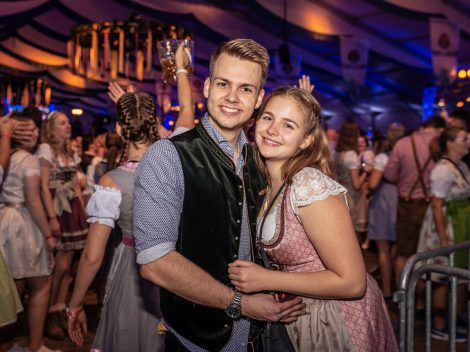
point(240, 203)
point(235, 255)
point(240, 187)
point(238, 221)
point(236, 238)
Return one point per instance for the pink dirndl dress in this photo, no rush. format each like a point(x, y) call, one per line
point(332, 325)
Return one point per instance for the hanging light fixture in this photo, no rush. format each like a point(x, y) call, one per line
point(111, 49)
point(21, 91)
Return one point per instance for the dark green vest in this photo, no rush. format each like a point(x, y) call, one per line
point(210, 228)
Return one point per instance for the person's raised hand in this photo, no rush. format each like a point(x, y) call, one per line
point(182, 59)
point(305, 84)
point(115, 91)
point(7, 125)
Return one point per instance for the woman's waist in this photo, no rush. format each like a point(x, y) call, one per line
point(12, 204)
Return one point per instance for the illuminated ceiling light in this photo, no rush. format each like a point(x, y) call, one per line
point(459, 104)
point(171, 123)
point(462, 74)
point(77, 112)
point(104, 50)
point(467, 100)
point(196, 121)
point(468, 72)
point(441, 102)
point(200, 106)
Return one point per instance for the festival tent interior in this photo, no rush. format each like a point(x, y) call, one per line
point(371, 61)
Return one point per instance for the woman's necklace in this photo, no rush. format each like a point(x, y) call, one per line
point(266, 199)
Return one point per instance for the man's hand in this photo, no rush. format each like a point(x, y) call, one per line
point(264, 307)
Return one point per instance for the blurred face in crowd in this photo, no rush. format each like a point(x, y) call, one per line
point(62, 127)
point(460, 144)
point(233, 92)
point(361, 144)
point(453, 122)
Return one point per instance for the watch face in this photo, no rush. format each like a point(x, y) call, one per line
point(233, 312)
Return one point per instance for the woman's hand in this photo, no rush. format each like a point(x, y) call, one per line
point(247, 277)
point(304, 83)
point(51, 242)
point(76, 325)
point(444, 241)
point(55, 227)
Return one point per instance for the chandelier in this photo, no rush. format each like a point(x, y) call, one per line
point(111, 49)
point(19, 91)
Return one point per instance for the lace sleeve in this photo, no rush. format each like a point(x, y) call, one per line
point(311, 185)
point(103, 206)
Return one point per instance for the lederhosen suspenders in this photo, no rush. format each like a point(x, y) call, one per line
point(420, 172)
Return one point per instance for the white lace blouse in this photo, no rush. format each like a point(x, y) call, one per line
point(308, 186)
point(103, 206)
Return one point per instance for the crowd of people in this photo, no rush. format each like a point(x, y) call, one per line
point(178, 227)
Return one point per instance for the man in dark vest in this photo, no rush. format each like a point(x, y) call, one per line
point(197, 198)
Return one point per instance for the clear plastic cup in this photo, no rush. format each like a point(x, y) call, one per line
point(166, 53)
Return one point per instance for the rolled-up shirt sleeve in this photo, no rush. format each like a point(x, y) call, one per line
point(158, 202)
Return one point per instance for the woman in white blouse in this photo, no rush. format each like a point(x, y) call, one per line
point(26, 235)
point(447, 220)
point(382, 210)
point(347, 169)
point(126, 324)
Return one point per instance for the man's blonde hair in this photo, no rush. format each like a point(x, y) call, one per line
point(244, 49)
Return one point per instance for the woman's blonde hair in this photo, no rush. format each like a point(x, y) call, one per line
point(49, 135)
point(316, 154)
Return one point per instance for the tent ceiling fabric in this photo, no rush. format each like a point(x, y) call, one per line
point(34, 35)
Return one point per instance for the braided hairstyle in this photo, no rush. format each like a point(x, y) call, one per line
point(138, 118)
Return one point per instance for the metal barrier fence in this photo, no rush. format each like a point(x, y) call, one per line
point(405, 295)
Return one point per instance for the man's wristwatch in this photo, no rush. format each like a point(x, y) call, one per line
point(234, 309)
